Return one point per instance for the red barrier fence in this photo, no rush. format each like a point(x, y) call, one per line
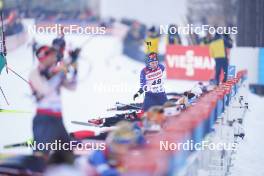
point(192, 124)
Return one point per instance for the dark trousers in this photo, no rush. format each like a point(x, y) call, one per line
point(47, 129)
point(220, 64)
point(111, 121)
point(154, 99)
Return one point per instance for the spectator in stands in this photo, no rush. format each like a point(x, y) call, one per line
point(217, 50)
point(193, 39)
point(12, 22)
point(228, 44)
point(152, 41)
point(134, 34)
point(173, 35)
point(134, 40)
point(206, 40)
point(34, 46)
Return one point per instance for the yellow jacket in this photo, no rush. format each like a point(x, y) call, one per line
point(153, 44)
point(217, 49)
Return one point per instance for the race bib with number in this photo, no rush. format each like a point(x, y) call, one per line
point(152, 81)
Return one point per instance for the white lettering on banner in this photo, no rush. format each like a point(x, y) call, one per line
point(190, 62)
point(154, 75)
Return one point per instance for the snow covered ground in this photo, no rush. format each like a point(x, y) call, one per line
point(105, 77)
point(250, 157)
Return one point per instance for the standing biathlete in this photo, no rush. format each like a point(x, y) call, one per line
point(46, 81)
point(151, 82)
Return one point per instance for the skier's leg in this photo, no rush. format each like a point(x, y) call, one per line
point(64, 135)
point(148, 102)
point(111, 121)
point(225, 68)
point(163, 98)
point(217, 70)
point(155, 99)
point(44, 131)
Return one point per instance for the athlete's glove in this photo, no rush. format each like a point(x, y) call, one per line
point(135, 96)
point(74, 54)
point(139, 92)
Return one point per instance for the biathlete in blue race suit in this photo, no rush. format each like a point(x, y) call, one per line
point(151, 82)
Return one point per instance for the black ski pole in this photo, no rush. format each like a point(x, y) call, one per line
point(4, 95)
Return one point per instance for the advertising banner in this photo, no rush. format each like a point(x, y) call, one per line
point(189, 63)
